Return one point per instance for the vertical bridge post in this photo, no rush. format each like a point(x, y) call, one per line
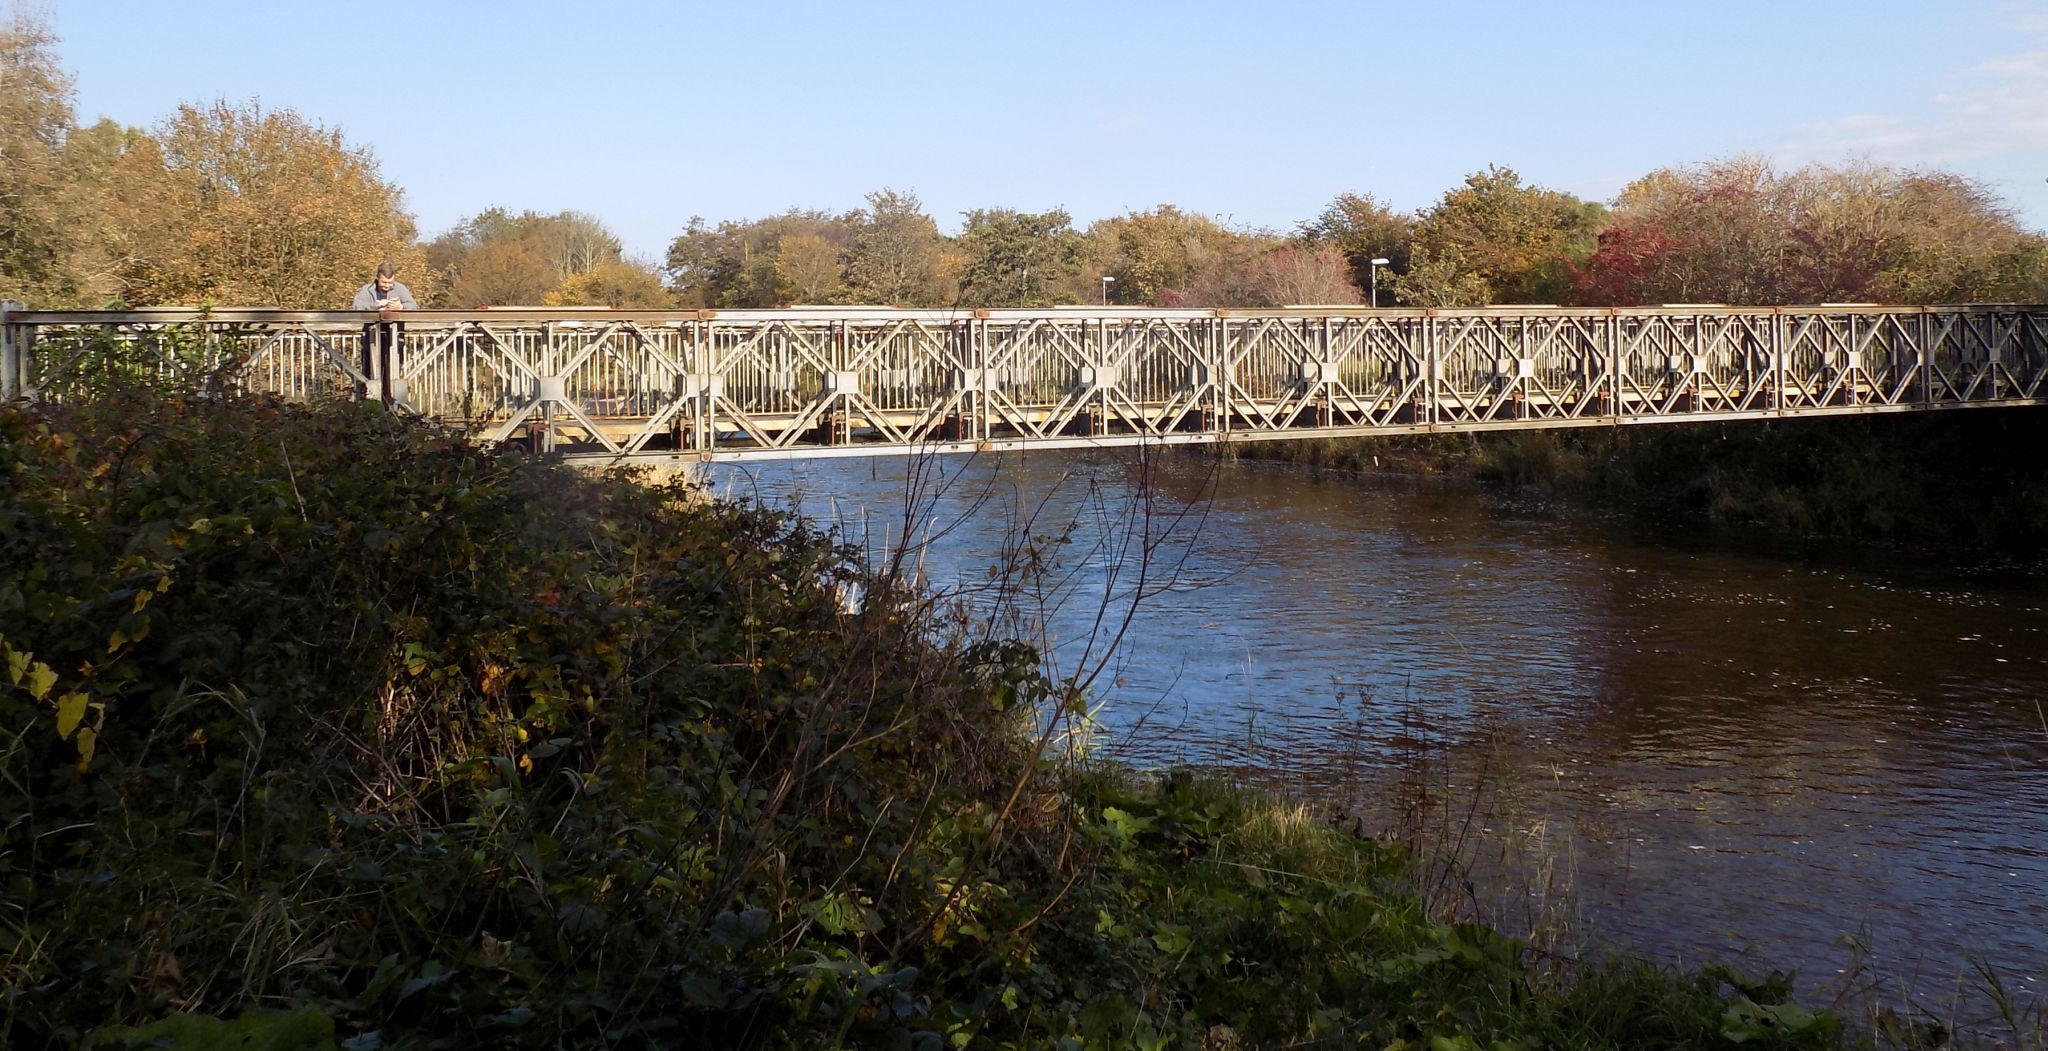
point(13, 352)
point(980, 421)
point(1432, 369)
point(1923, 344)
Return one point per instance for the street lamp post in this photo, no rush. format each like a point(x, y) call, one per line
point(1373, 278)
point(1106, 282)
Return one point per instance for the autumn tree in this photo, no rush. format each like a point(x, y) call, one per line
point(1362, 229)
point(1299, 274)
point(1959, 243)
point(810, 268)
point(1144, 253)
point(569, 242)
point(1223, 270)
point(1844, 225)
point(1632, 266)
point(501, 272)
point(1738, 231)
point(1017, 259)
point(1716, 233)
point(90, 156)
point(574, 242)
point(796, 257)
point(898, 256)
point(1168, 257)
point(500, 258)
point(1866, 232)
point(237, 206)
point(620, 284)
point(1494, 240)
point(35, 117)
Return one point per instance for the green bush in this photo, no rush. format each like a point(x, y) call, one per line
point(319, 709)
point(320, 706)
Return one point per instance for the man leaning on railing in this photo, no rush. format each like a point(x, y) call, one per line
point(385, 295)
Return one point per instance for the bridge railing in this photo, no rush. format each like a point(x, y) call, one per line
point(745, 384)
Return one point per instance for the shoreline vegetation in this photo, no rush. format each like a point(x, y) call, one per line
point(1963, 484)
point(328, 729)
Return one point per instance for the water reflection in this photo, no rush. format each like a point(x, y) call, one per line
point(1745, 750)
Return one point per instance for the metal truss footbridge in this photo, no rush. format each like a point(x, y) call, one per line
point(765, 384)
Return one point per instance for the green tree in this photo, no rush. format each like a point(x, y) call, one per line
point(1496, 240)
point(695, 258)
point(1017, 259)
point(1441, 277)
point(898, 257)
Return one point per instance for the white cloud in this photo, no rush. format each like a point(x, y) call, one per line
point(2028, 16)
point(1995, 109)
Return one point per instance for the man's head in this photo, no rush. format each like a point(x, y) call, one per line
point(387, 275)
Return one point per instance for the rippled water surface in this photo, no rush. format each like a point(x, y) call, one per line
point(1727, 750)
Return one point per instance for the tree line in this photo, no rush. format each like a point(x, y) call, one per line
point(235, 205)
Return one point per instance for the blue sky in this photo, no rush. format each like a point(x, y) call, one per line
point(1260, 113)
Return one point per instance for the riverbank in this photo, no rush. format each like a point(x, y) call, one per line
point(1849, 515)
point(1735, 747)
point(1966, 482)
point(339, 726)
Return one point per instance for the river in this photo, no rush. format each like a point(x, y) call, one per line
point(1687, 746)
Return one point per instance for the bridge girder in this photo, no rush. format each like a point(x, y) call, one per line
point(625, 385)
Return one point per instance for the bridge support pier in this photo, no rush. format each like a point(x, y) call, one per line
point(837, 428)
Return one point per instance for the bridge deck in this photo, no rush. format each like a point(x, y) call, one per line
point(772, 384)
